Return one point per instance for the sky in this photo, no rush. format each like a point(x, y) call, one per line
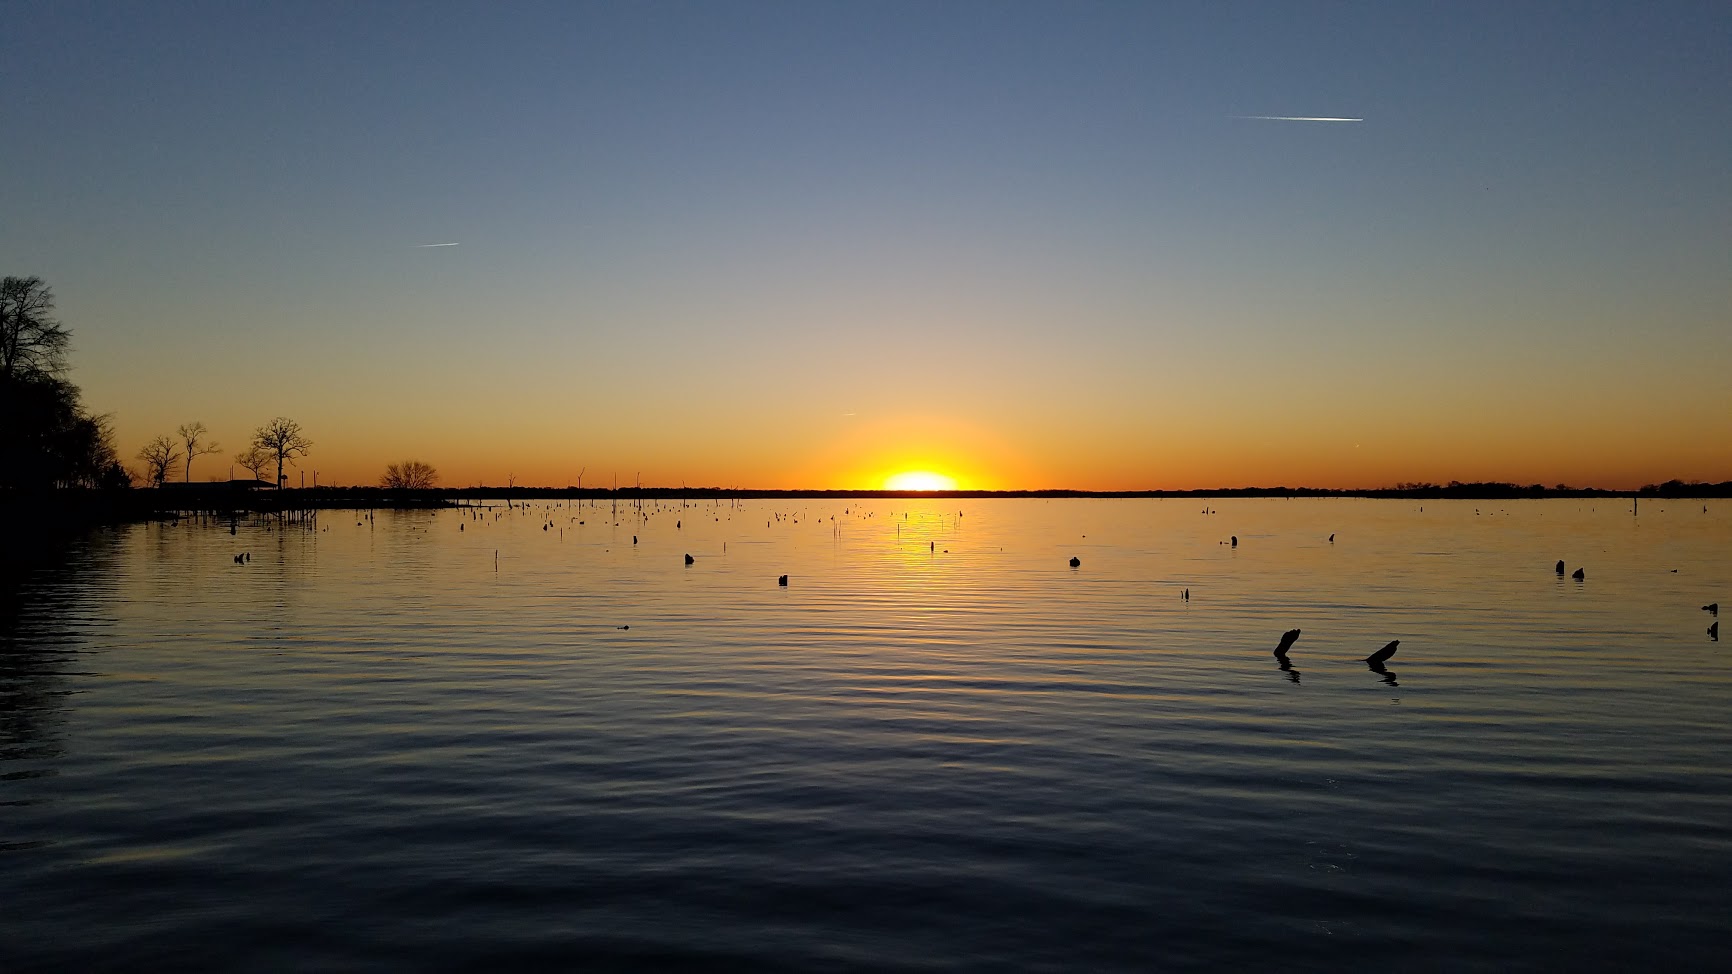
point(821, 244)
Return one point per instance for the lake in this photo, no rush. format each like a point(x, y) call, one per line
point(429, 740)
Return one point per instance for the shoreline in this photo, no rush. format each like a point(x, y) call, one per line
point(152, 503)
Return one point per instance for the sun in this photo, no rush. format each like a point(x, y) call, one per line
point(919, 480)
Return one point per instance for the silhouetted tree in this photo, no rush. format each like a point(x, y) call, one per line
point(32, 342)
point(283, 440)
point(87, 457)
point(190, 434)
point(158, 455)
point(47, 440)
point(256, 459)
point(409, 475)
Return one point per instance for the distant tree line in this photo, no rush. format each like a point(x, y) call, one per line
point(1689, 488)
point(1492, 490)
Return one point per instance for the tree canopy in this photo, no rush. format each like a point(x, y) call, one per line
point(256, 459)
point(33, 343)
point(283, 440)
point(192, 434)
point(158, 456)
point(409, 475)
point(47, 439)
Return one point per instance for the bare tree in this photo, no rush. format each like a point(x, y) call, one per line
point(191, 434)
point(255, 459)
point(32, 342)
point(409, 475)
point(283, 440)
point(47, 438)
point(158, 455)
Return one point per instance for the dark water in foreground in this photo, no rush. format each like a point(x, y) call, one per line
point(939, 748)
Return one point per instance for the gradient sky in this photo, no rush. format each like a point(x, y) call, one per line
point(812, 244)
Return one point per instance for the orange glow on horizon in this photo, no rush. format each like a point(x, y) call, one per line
point(912, 451)
point(919, 480)
point(547, 448)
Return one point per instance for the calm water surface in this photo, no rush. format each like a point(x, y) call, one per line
point(427, 740)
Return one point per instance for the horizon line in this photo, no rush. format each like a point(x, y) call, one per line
point(1480, 489)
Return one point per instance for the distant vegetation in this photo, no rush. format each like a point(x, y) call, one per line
point(1491, 490)
point(277, 442)
point(409, 475)
point(1691, 488)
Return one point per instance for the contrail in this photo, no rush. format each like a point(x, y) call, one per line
point(423, 246)
point(1294, 118)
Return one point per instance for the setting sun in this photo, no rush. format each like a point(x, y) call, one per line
point(919, 480)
